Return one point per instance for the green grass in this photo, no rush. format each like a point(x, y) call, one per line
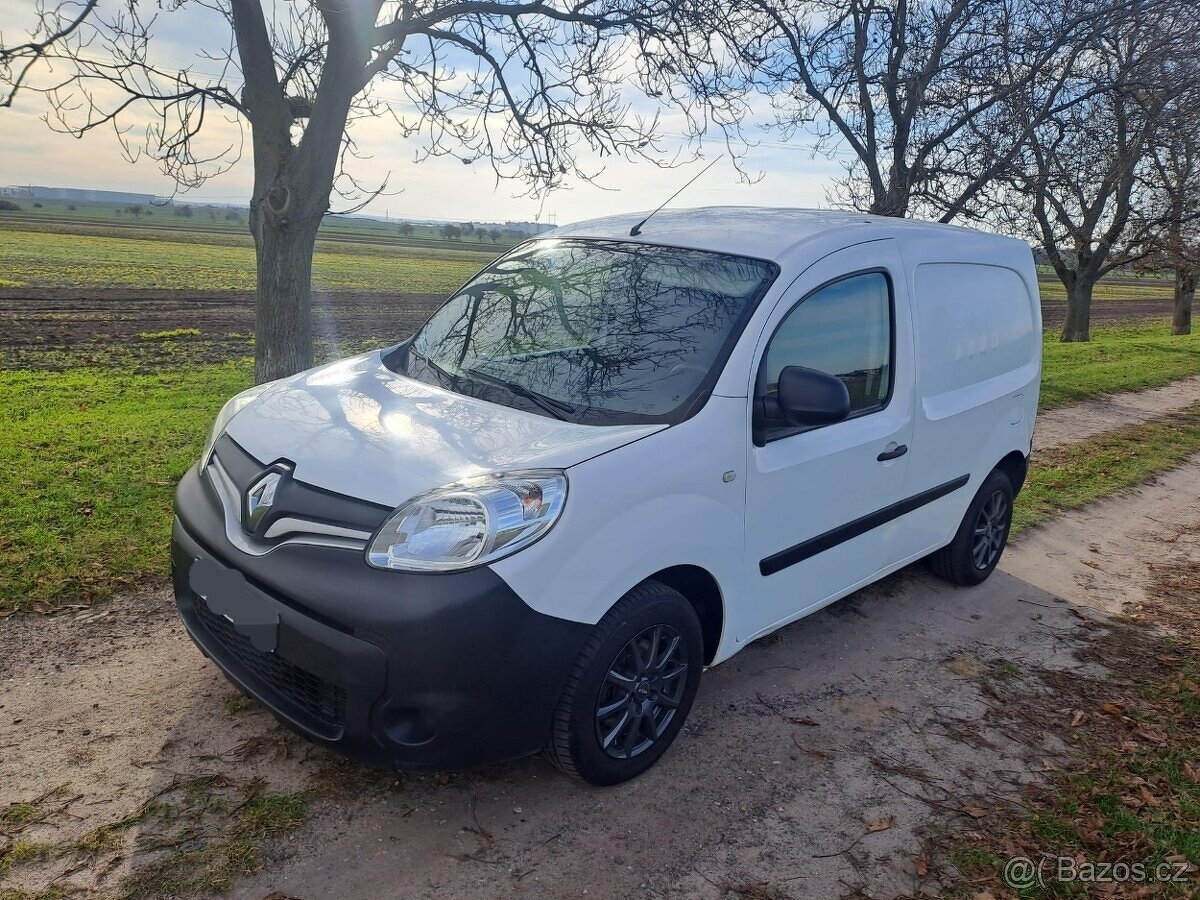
point(51, 893)
point(1116, 359)
point(168, 335)
point(1069, 477)
point(221, 263)
point(88, 463)
point(22, 851)
point(16, 814)
point(268, 814)
point(232, 844)
point(106, 838)
point(1052, 289)
point(192, 873)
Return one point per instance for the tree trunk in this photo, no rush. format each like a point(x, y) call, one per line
point(283, 298)
point(292, 182)
point(893, 203)
point(1185, 291)
point(1078, 326)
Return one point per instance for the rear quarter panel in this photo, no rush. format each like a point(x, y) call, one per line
point(978, 340)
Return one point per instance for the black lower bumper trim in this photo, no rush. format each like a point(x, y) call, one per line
point(397, 670)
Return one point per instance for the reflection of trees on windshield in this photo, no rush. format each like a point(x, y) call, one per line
point(602, 324)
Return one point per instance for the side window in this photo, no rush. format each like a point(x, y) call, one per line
point(844, 329)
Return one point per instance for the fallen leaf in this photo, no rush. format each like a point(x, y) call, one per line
point(922, 866)
point(803, 720)
point(1113, 709)
point(1150, 799)
point(983, 895)
point(1079, 718)
point(975, 812)
point(881, 824)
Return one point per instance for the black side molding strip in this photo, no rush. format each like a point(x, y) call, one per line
point(778, 561)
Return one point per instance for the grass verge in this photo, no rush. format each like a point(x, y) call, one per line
point(1069, 477)
point(88, 463)
point(1116, 359)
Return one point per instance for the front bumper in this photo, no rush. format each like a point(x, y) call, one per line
point(398, 670)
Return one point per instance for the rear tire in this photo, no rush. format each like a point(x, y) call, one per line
point(981, 537)
point(631, 689)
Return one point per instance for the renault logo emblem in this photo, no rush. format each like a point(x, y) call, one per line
point(260, 498)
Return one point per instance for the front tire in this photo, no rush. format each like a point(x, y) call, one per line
point(631, 688)
point(981, 537)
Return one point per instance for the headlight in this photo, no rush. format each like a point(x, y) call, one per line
point(469, 524)
point(232, 407)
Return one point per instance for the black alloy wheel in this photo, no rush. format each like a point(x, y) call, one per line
point(979, 542)
point(641, 693)
point(631, 689)
point(991, 530)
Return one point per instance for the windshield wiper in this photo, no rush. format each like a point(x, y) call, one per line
point(558, 409)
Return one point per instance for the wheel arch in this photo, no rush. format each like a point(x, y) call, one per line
point(701, 590)
point(1016, 466)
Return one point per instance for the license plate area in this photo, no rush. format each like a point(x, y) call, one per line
point(227, 593)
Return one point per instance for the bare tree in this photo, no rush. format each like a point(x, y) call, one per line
point(1079, 188)
point(1176, 183)
point(525, 86)
point(905, 87)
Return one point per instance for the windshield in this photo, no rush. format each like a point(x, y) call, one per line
point(592, 331)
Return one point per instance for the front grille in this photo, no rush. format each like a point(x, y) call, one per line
point(319, 698)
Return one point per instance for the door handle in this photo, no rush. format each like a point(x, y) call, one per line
point(893, 454)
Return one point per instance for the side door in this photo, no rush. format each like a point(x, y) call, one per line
point(819, 499)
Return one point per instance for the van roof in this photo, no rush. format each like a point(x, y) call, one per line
point(762, 232)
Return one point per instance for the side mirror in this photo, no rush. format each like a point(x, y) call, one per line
point(810, 397)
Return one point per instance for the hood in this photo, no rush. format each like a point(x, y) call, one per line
point(359, 429)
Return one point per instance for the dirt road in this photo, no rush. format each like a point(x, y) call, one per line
point(819, 760)
point(85, 324)
point(1071, 424)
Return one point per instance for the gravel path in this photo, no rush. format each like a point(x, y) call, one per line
point(1071, 424)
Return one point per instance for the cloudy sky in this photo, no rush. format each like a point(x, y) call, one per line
point(32, 153)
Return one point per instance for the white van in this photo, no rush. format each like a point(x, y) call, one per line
point(609, 461)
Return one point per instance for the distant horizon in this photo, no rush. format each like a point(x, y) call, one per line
point(378, 214)
point(183, 200)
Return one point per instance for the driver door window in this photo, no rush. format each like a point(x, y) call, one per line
point(844, 329)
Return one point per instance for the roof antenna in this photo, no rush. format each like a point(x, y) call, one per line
point(637, 229)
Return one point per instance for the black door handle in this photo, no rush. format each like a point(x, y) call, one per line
point(893, 454)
